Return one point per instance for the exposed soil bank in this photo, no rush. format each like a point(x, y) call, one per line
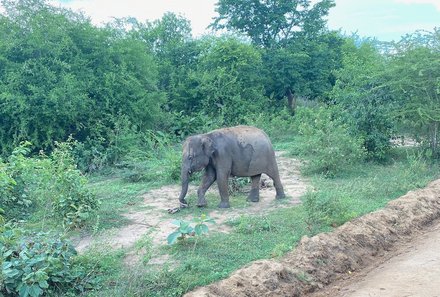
point(326, 258)
point(412, 270)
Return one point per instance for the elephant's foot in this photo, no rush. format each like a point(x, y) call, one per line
point(280, 195)
point(224, 204)
point(202, 203)
point(254, 195)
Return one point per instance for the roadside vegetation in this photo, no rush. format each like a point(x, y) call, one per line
point(93, 117)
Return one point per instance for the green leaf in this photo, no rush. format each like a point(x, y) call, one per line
point(209, 220)
point(35, 290)
point(11, 273)
point(43, 284)
point(201, 229)
point(24, 290)
point(173, 237)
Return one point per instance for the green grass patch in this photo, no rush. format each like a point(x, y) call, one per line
point(120, 189)
point(364, 188)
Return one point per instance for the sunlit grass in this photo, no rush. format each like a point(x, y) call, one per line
point(364, 188)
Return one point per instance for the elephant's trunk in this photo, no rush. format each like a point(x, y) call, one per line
point(185, 181)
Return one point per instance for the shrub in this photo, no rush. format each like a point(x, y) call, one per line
point(36, 264)
point(326, 141)
point(20, 177)
point(324, 210)
point(71, 201)
point(278, 125)
point(46, 182)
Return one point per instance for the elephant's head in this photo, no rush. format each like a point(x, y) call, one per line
point(197, 151)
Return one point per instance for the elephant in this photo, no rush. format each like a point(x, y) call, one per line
point(243, 151)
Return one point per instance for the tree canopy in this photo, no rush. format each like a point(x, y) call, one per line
point(60, 75)
point(269, 22)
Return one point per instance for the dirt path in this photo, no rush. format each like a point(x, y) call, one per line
point(413, 270)
point(325, 260)
point(151, 219)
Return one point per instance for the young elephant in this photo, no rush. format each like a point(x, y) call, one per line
point(237, 151)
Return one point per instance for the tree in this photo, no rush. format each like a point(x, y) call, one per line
point(62, 76)
point(360, 90)
point(269, 22)
point(293, 38)
point(303, 68)
point(176, 55)
point(230, 84)
point(414, 80)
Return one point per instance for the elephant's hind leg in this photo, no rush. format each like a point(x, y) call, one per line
point(207, 180)
point(275, 176)
point(254, 195)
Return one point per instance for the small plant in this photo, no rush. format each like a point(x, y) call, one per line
point(324, 210)
point(185, 229)
point(251, 224)
point(36, 264)
point(280, 249)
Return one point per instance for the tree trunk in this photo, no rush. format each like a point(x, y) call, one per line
point(434, 138)
point(291, 101)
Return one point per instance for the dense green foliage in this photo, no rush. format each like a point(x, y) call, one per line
point(415, 85)
point(106, 86)
point(360, 92)
point(38, 264)
point(51, 184)
point(62, 76)
point(116, 101)
point(325, 138)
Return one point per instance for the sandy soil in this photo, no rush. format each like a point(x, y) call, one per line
point(413, 269)
point(324, 264)
point(152, 219)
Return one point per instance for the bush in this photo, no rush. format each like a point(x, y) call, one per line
point(326, 141)
point(20, 177)
point(324, 210)
point(71, 201)
point(278, 125)
point(45, 183)
point(37, 264)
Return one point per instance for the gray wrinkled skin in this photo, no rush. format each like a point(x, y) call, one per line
point(238, 151)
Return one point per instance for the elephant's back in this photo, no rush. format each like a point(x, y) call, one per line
point(251, 149)
point(246, 134)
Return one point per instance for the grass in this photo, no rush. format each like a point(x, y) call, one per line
point(122, 188)
point(361, 189)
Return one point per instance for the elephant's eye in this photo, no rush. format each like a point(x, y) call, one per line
point(190, 157)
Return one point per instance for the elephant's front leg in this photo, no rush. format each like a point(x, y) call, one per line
point(207, 180)
point(222, 182)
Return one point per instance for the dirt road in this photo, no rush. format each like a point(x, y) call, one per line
point(413, 270)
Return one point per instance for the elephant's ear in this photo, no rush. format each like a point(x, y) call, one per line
point(208, 146)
